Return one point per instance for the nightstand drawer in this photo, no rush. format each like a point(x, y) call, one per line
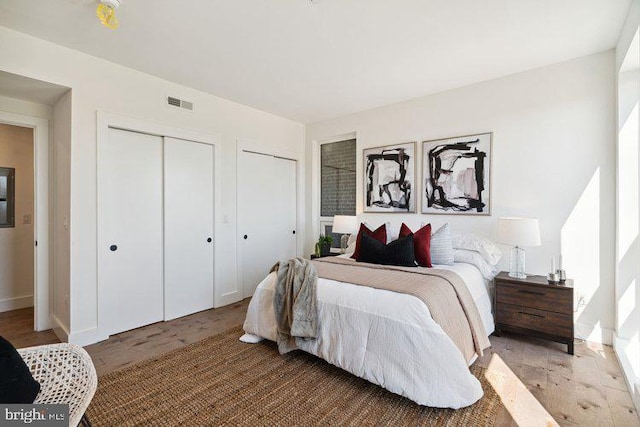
point(556, 300)
point(537, 320)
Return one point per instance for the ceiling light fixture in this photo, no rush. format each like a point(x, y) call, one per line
point(106, 12)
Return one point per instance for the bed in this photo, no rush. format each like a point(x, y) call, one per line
point(385, 337)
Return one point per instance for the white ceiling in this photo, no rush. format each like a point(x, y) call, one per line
point(314, 61)
point(25, 88)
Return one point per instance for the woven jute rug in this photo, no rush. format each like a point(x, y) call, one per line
point(221, 381)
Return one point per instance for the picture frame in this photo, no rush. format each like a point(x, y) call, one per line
point(456, 175)
point(389, 178)
point(7, 197)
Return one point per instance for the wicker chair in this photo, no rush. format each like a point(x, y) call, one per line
point(66, 375)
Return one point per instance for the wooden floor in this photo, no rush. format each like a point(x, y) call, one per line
point(17, 327)
point(542, 385)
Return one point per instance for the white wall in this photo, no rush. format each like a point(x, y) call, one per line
point(25, 108)
point(553, 158)
point(16, 243)
point(60, 207)
point(627, 254)
point(100, 85)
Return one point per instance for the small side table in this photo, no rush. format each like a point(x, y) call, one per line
point(534, 307)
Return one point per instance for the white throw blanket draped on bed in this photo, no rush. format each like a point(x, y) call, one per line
point(295, 302)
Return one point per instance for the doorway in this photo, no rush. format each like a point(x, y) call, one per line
point(17, 273)
point(24, 266)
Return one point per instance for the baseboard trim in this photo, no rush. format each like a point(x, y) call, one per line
point(16, 303)
point(86, 337)
point(60, 329)
point(594, 334)
point(619, 345)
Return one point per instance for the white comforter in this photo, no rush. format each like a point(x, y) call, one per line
point(385, 337)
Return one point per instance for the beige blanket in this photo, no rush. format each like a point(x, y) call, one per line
point(442, 291)
point(295, 303)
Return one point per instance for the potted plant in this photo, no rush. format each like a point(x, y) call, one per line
point(323, 245)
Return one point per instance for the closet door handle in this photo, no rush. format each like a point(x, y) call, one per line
point(246, 237)
point(294, 231)
point(113, 248)
point(209, 240)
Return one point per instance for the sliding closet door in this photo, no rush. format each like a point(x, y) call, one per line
point(189, 254)
point(130, 246)
point(255, 218)
point(285, 215)
point(266, 215)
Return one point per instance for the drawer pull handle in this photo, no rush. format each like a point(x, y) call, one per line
point(524, 291)
point(533, 315)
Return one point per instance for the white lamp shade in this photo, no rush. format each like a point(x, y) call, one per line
point(519, 231)
point(344, 224)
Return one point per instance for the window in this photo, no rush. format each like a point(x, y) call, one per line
point(337, 184)
point(338, 178)
point(627, 285)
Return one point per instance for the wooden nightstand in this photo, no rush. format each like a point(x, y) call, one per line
point(534, 307)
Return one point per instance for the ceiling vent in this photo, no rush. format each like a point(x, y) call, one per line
point(180, 103)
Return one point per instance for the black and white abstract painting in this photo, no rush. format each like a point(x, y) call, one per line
point(456, 175)
point(389, 178)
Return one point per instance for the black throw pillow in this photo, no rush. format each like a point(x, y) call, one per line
point(16, 382)
point(399, 252)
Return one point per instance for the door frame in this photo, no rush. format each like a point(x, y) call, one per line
point(41, 276)
point(106, 120)
point(253, 146)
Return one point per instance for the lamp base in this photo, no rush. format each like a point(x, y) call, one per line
point(343, 243)
point(517, 275)
point(516, 268)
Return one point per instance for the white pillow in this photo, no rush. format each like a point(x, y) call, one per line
point(392, 232)
point(475, 258)
point(441, 246)
point(473, 242)
point(351, 243)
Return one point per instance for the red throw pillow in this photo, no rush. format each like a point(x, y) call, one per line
point(421, 243)
point(380, 235)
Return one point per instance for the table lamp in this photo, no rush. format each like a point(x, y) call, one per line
point(518, 232)
point(345, 225)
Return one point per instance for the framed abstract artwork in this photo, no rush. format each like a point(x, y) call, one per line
point(389, 178)
point(456, 175)
point(7, 197)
